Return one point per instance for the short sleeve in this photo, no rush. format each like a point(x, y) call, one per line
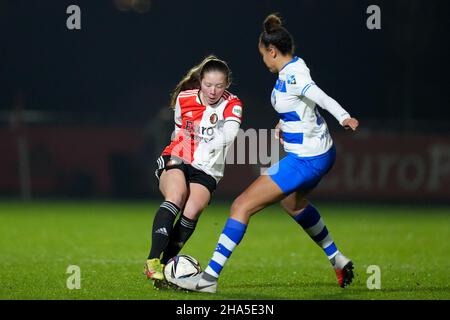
point(233, 110)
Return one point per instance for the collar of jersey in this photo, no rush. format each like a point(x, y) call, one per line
point(292, 61)
point(200, 101)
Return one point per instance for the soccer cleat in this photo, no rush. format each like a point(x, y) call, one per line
point(163, 285)
point(345, 275)
point(343, 268)
point(153, 269)
point(196, 283)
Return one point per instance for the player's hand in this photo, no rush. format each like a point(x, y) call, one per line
point(279, 133)
point(350, 123)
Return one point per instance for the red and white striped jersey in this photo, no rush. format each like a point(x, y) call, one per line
point(196, 125)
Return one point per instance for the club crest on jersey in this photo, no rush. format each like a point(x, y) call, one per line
point(213, 118)
point(291, 79)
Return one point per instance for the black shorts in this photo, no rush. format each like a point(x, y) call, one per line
point(191, 174)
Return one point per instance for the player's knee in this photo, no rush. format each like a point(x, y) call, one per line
point(177, 197)
point(239, 207)
point(192, 213)
point(294, 207)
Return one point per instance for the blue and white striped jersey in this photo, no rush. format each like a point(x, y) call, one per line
point(294, 97)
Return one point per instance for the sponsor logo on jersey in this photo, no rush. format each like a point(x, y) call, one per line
point(213, 118)
point(280, 85)
point(291, 79)
point(196, 132)
point(237, 111)
point(325, 134)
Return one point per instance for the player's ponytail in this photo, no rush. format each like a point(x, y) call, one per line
point(190, 81)
point(194, 76)
point(272, 23)
point(276, 35)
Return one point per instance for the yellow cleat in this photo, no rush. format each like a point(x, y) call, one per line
point(154, 269)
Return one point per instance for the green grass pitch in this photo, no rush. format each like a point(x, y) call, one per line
point(276, 260)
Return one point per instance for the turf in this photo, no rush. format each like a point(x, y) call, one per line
point(276, 259)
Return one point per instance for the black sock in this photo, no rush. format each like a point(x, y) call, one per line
point(162, 228)
point(182, 231)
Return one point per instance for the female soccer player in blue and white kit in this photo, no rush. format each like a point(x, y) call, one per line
point(310, 155)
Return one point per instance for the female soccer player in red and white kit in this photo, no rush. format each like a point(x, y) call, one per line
point(207, 119)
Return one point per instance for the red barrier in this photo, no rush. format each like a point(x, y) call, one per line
point(388, 167)
point(56, 153)
point(372, 167)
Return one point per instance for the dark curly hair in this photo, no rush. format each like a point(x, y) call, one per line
point(275, 34)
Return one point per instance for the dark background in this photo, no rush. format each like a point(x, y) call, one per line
point(117, 72)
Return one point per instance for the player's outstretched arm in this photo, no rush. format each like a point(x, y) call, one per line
point(350, 123)
point(317, 95)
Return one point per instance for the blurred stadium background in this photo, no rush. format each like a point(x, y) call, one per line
point(83, 113)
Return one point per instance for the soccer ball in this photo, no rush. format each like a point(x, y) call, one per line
point(181, 266)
